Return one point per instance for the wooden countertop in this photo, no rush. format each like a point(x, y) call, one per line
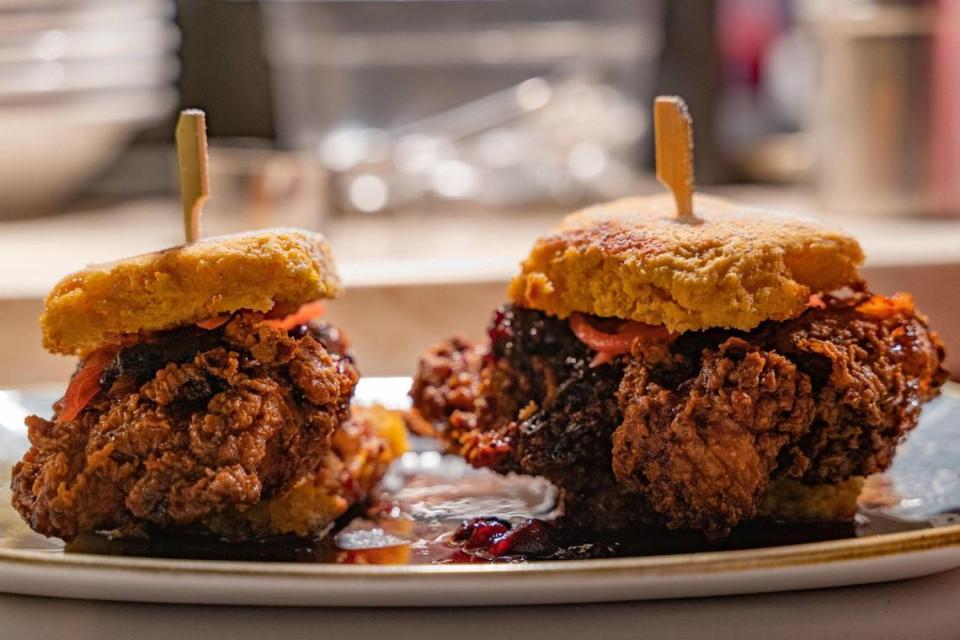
point(401, 249)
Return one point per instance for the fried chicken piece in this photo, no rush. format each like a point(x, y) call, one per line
point(872, 362)
point(447, 388)
point(450, 393)
point(703, 453)
point(822, 398)
point(188, 426)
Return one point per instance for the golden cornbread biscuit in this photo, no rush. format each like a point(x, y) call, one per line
point(790, 500)
point(187, 284)
point(733, 267)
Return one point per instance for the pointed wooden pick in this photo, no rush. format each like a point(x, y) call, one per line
point(194, 179)
point(673, 138)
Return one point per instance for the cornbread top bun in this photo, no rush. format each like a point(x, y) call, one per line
point(733, 267)
point(187, 284)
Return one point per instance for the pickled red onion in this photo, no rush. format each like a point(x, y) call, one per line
point(610, 345)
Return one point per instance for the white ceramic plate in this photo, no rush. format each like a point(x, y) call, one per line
point(925, 473)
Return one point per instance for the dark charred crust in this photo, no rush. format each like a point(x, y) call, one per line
point(534, 406)
point(567, 431)
point(610, 238)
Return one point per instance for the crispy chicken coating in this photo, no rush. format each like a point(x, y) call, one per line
point(872, 363)
point(189, 425)
point(704, 453)
point(821, 398)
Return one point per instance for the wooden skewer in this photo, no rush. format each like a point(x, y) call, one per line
point(673, 138)
point(194, 177)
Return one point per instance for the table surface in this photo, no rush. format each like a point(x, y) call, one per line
point(920, 608)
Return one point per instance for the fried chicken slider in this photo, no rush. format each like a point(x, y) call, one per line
point(693, 373)
point(209, 397)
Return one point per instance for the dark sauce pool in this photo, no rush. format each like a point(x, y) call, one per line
point(435, 509)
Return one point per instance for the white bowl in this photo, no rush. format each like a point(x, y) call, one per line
point(26, 16)
point(50, 149)
point(136, 38)
point(28, 80)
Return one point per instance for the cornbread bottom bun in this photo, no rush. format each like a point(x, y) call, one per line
point(791, 501)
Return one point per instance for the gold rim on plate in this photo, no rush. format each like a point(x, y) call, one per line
point(705, 562)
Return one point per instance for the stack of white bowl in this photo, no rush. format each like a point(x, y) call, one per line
point(77, 79)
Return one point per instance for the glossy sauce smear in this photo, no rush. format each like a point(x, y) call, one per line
point(436, 509)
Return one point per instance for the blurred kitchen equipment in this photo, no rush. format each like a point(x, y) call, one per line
point(537, 140)
point(502, 103)
point(874, 109)
point(77, 80)
point(51, 148)
point(254, 186)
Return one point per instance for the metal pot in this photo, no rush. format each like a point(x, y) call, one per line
point(879, 105)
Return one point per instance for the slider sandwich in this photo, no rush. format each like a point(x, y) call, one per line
point(209, 397)
point(693, 373)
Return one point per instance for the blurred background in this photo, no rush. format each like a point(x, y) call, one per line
point(432, 140)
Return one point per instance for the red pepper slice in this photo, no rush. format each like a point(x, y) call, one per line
point(84, 385)
point(303, 315)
